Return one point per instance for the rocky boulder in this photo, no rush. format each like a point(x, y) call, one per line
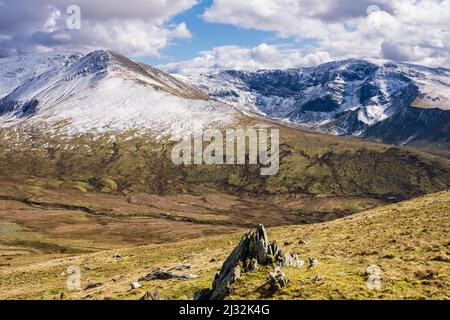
point(160, 274)
point(254, 249)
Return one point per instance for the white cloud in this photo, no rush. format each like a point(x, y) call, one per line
point(134, 28)
point(415, 31)
point(263, 56)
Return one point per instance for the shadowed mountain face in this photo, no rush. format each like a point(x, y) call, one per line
point(424, 128)
point(392, 103)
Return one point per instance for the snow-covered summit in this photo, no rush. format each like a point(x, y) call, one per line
point(104, 91)
point(349, 97)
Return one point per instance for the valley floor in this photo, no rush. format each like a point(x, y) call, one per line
point(408, 241)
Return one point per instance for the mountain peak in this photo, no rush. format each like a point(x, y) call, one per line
point(359, 97)
point(104, 91)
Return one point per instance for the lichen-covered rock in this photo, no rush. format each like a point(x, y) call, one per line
point(291, 260)
point(160, 274)
point(254, 249)
point(251, 265)
point(277, 279)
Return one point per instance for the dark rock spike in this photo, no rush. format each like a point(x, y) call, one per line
point(253, 249)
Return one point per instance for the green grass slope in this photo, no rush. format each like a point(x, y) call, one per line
point(311, 164)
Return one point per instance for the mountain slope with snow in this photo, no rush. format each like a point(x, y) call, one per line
point(104, 91)
point(393, 103)
point(14, 71)
point(97, 118)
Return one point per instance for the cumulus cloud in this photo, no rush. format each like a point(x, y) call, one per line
point(138, 27)
point(408, 30)
point(263, 56)
point(415, 31)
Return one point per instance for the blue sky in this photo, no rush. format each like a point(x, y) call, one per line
point(206, 36)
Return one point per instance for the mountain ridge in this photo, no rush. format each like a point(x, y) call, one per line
point(346, 97)
point(105, 91)
point(371, 99)
point(114, 112)
point(16, 70)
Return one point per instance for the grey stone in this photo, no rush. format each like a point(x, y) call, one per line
point(291, 260)
point(254, 249)
point(135, 285)
point(277, 279)
point(312, 262)
point(160, 274)
point(150, 296)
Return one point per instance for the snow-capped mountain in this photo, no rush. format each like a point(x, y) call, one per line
point(104, 91)
point(395, 103)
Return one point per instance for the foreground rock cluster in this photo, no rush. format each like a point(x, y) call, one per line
point(253, 250)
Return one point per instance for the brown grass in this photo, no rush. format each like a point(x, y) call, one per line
point(402, 239)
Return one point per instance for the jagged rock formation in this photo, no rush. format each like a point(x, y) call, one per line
point(253, 249)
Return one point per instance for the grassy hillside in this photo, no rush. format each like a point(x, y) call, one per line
point(408, 241)
point(87, 199)
point(311, 164)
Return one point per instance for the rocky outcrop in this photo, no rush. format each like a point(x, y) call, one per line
point(254, 249)
point(160, 274)
point(291, 260)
